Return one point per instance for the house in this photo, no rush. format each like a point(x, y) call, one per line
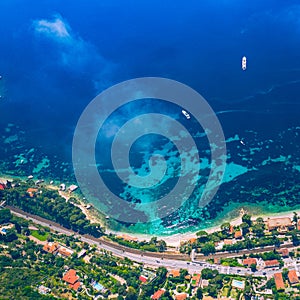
point(143, 279)
point(158, 294)
point(217, 260)
point(51, 247)
point(43, 290)
point(204, 283)
point(279, 281)
point(71, 278)
point(228, 242)
point(238, 234)
point(181, 296)
point(81, 253)
point(72, 188)
point(249, 261)
point(272, 263)
point(298, 225)
point(173, 273)
point(193, 240)
point(65, 251)
point(31, 192)
point(2, 186)
point(281, 224)
point(293, 277)
point(284, 252)
point(195, 281)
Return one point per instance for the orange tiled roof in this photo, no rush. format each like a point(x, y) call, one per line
point(64, 251)
point(174, 273)
point(75, 286)
point(193, 240)
point(284, 252)
point(181, 296)
point(196, 278)
point(70, 277)
point(272, 263)
point(249, 261)
point(293, 278)
point(298, 224)
point(157, 295)
point(50, 247)
point(228, 242)
point(279, 281)
point(238, 234)
point(31, 192)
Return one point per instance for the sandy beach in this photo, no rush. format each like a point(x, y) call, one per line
point(172, 240)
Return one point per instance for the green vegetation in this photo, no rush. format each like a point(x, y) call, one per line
point(50, 205)
point(153, 245)
point(40, 235)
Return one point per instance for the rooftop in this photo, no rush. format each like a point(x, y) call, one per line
point(293, 277)
point(272, 263)
point(158, 294)
point(279, 281)
point(181, 296)
point(70, 277)
point(174, 273)
point(249, 261)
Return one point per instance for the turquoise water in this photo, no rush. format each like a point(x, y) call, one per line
point(65, 63)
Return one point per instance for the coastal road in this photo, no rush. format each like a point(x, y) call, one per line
point(168, 260)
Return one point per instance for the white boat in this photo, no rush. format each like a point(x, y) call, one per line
point(244, 63)
point(186, 114)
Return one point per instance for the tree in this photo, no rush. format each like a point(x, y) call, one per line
point(131, 294)
point(212, 291)
point(225, 227)
point(295, 217)
point(207, 273)
point(199, 293)
point(247, 219)
point(183, 273)
point(245, 228)
point(208, 248)
point(5, 215)
point(253, 267)
point(295, 238)
point(162, 246)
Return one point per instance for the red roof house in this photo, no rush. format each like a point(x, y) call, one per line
point(238, 234)
point(143, 279)
point(279, 281)
point(293, 278)
point(32, 192)
point(271, 263)
point(71, 278)
point(249, 261)
point(158, 294)
point(51, 247)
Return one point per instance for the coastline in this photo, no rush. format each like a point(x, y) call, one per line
point(173, 240)
point(176, 239)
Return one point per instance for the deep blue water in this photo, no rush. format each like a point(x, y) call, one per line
point(57, 56)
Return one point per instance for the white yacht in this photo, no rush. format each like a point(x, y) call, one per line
point(186, 114)
point(244, 63)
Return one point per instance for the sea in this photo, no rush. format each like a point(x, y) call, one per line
point(56, 57)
